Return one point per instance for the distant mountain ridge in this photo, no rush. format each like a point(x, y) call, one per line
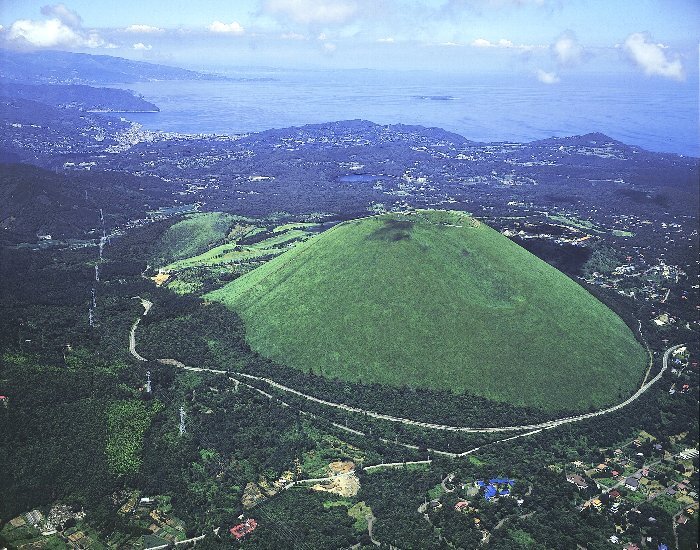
point(365, 129)
point(78, 96)
point(56, 67)
point(35, 132)
point(591, 139)
point(368, 128)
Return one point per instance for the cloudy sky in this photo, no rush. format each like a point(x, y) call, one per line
point(551, 40)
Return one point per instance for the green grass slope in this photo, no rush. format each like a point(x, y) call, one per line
point(234, 252)
point(190, 236)
point(435, 299)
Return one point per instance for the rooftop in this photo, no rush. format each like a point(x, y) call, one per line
point(242, 529)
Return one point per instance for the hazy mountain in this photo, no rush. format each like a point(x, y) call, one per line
point(79, 96)
point(55, 67)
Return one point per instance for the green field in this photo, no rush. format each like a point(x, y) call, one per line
point(191, 236)
point(433, 299)
point(586, 225)
point(233, 252)
point(202, 248)
point(574, 222)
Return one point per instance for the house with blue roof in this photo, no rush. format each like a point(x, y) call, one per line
point(496, 487)
point(502, 480)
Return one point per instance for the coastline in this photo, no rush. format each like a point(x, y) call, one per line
point(118, 111)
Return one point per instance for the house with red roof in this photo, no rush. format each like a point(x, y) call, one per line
point(242, 529)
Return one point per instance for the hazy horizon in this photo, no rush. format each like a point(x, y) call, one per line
point(624, 68)
point(550, 41)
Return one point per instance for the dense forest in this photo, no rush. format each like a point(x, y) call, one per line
point(36, 202)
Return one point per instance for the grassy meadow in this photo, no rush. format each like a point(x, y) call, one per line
point(193, 235)
point(204, 250)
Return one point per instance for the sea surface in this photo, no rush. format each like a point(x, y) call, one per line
point(653, 113)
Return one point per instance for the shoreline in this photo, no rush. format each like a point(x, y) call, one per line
point(117, 111)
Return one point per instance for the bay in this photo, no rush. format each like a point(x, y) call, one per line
point(655, 114)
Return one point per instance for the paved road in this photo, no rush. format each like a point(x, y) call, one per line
point(395, 465)
point(445, 480)
point(433, 426)
point(132, 335)
point(674, 520)
point(193, 540)
point(530, 428)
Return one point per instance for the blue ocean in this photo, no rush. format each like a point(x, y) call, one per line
point(655, 114)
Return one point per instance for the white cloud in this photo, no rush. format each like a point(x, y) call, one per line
point(322, 36)
point(547, 78)
point(231, 28)
point(651, 58)
point(482, 43)
point(567, 50)
point(65, 15)
point(63, 29)
point(387, 40)
point(503, 43)
point(292, 36)
point(93, 40)
point(44, 34)
point(450, 44)
point(141, 46)
point(329, 47)
point(312, 11)
point(144, 29)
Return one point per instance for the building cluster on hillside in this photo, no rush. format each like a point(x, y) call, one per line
point(64, 525)
point(641, 471)
point(495, 488)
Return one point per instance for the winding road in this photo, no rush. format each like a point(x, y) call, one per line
point(531, 429)
point(132, 335)
point(527, 429)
